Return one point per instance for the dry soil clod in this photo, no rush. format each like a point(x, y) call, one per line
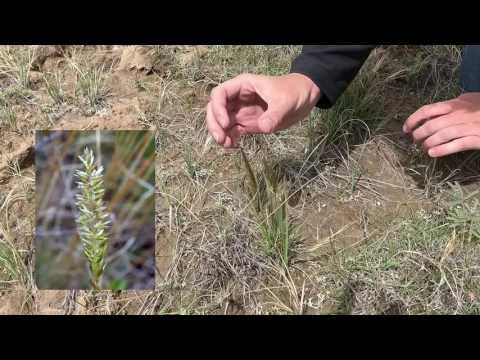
point(24, 156)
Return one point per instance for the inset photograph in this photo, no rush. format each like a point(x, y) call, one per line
point(95, 210)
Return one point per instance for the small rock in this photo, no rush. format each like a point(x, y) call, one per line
point(35, 77)
point(136, 58)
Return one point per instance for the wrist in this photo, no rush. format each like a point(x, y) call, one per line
point(313, 92)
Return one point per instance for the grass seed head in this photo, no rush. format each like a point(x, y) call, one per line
point(93, 219)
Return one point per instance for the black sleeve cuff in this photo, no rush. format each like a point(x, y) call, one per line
point(331, 67)
point(320, 77)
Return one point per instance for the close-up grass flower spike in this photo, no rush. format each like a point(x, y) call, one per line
point(92, 220)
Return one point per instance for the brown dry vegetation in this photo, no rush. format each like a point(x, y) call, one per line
point(375, 226)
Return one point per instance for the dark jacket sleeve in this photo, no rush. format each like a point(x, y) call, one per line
point(331, 67)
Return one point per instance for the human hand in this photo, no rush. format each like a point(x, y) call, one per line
point(448, 127)
point(258, 104)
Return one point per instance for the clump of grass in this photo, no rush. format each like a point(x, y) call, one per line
point(11, 263)
point(346, 118)
point(463, 213)
point(191, 165)
point(15, 260)
point(24, 64)
point(16, 63)
point(432, 69)
point(8, 117)
point(91, 85)
point(193, 168)
point(92, 221)
point(347, 123)
point(54, 88)
point(269, 199)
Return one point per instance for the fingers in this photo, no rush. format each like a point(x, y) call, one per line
point(219, 121)
point(456, 146)
point(433, 126)
point(220, 97)
point(450, 133)
point(250, 104)
point(232, 88)
point(234, 135)
point(425, 113)
point(266, 123)
point(218, 104)
point(213, 126)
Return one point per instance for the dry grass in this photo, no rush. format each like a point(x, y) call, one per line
point(375, 233)
point(16, 63)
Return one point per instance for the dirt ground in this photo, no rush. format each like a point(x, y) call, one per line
point(353, 205)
